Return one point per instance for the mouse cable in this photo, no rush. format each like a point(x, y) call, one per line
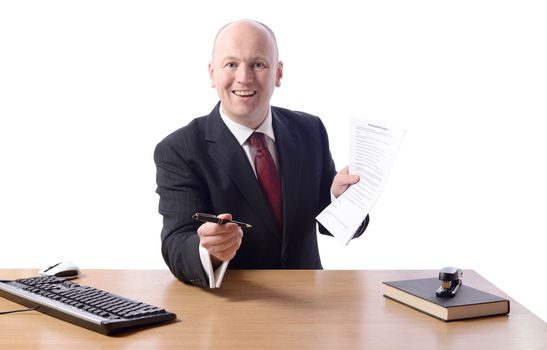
point(21, 310)
point(14, 311)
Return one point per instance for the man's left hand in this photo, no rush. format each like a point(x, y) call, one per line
point(342, 181)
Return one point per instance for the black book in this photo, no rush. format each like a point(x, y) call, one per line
point(468, 302)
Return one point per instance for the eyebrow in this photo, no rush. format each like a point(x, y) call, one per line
point(233, 58)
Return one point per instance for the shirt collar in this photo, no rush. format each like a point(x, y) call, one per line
point(242, 133)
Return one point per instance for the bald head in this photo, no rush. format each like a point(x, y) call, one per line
point(244, 27)
point(245, 71)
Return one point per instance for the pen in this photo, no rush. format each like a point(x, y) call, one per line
point(213, 218)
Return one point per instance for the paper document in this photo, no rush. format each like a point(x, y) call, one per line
point(373, 148)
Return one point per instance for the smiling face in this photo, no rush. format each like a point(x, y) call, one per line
point(245, 71)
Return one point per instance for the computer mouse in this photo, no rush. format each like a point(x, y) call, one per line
point(65, 269)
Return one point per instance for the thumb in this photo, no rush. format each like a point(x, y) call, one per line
point(225, 216)
point(353, 179)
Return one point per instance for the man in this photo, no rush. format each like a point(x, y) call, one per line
point(262, 165)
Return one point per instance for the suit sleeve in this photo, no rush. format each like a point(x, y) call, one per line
point(180, 198)
point(329, 171)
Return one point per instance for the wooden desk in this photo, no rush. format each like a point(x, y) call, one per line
point(275, 310)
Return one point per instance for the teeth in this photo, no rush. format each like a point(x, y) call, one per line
point(244, 92)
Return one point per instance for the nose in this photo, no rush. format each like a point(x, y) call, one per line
point(244, 74)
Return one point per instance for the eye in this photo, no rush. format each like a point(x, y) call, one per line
point(259, 65)
point(230, 65)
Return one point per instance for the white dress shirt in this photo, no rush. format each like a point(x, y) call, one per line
point(241, 133)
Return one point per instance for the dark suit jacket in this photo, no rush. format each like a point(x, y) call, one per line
point(202, 168)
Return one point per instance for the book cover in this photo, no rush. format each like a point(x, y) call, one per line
point(468, 303)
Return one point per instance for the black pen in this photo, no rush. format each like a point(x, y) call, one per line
point(213, 218)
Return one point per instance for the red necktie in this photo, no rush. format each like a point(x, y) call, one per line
point(267, 174)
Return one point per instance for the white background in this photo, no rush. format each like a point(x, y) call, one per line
point(87, 89)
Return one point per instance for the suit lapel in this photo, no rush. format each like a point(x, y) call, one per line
point(289, 153)
point(230, 156)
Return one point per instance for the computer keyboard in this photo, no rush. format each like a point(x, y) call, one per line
point(84, 306)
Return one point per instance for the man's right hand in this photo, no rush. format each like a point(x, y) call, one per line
point(221, 241)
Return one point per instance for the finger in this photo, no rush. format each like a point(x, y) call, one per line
point(208, 228)
point(220, 242)
point(226, 249)
point(348, 179)
point(226, 216)
point(345, 180)
point(221, 249)
point(228, 252)
point(226, 255)
point(211, 229)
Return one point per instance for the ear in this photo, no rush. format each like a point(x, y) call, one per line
point(278, 74)
point(212, 74)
